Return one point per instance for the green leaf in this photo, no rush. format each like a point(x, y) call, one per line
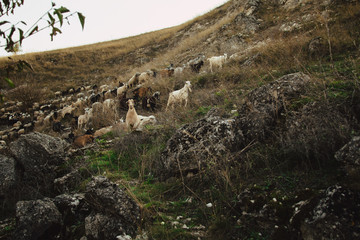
point(62, 9)
point(52, 19)
point(82, 19)
point(35, 29)
point(54, 32)
point(60, 16)
point(9, 82)
point(4, 22)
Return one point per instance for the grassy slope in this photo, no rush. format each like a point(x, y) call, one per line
point(335, 71)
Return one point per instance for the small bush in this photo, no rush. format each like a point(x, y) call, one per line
point(28, 94)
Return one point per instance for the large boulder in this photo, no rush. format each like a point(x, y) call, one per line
point(265, 105)
point(7, 175)
point(74, 209)
point(37, 219)
point(114, 212)
point(313, 134)
point(194, 145)
point(8, 178)
point(40, 158)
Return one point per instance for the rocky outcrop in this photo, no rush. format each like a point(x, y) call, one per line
point(197, 144)
point(336, 216)
point(203, 142)
point(7, 175)
point(39, 157)
point(37, 219)
point(74, 209)
point(114, 212)
point(327, 214)
point(349, 156)
point(104, 212)
point(313, 134)
point(68, 182)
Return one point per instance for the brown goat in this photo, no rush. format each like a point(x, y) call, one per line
point(167, 72)
point(140, 93)
point(82, 141)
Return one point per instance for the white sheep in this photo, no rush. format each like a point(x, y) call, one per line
point(180, 95)
point(217, 61)
point(132, 119)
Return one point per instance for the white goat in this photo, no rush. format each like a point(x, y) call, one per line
point(179, 70)
point(145, 121)
point(121, 90)
point(179, 95)
point(83, 120)
point(132, 119)
point(146, 77)
point(103, 131)
point(217, 61)
point(133, 80)
point(104, 88)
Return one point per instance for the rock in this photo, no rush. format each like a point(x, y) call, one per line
point(68, 182)
point(349, 155)
point(74, 209)
point(194, 145)
point(336, 216)
point(37, 219)
point(8, 181)
point(114, 213)
point(40, 157)
point(314, 134)
point(265, 105)
point(317, 47)
point(100, 226)
point(247, 24)
point(7, 175)
point(208, 140)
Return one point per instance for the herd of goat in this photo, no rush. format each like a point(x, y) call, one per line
point(86, 107)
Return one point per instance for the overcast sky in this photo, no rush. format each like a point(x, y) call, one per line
point(107, 19)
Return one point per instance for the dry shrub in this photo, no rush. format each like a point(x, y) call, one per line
point(285, 52)
point(102, 118)
point(28, 94)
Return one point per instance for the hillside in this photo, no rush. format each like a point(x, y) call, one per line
point(267, 147)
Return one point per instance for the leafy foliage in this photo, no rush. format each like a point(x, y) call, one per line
point(55, 21)
point(9, 31)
